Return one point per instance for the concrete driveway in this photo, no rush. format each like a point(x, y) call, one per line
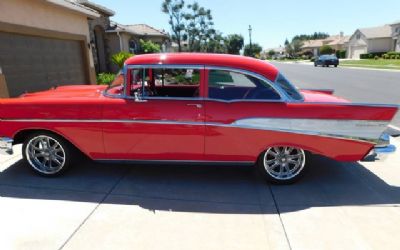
point(95, 206)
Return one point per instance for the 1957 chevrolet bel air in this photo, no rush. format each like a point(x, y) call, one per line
point(193, 108)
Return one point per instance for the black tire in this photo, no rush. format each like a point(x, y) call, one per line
point(335, 65)
point(262, 170)
point(63, 150)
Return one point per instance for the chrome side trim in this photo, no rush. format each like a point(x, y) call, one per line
point(357, 130)
point(6, 146)
point(344, 128)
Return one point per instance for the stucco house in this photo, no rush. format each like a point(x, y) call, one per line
point(126, 38)
point(43, 44)
point(337, 42)
point(370, 40)
point(396, 35)
point(108, 37)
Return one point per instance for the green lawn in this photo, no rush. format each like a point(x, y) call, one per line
point(371, 63)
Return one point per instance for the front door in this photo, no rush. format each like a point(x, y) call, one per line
point(162, 118)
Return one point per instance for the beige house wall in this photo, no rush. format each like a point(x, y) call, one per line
point(380, 45)
point(43, 15)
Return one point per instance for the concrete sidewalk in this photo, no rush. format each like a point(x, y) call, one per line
point(94, 206)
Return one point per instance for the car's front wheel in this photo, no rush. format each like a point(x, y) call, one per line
point(47, 154)
point(282, 164)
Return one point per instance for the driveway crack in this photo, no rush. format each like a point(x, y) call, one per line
point(94, 209)
point(279, 214)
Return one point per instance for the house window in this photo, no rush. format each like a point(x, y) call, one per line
point(132, 46)
point(358, 36)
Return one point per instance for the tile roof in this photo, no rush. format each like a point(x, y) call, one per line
point(377, 32)
point(137, 29)
point(312, 43)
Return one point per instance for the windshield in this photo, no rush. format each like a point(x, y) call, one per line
point(290, 90)
point(117, 85)
point(328, 57)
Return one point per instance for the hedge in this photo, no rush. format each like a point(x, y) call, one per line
point(372, 55)
point(385, 55)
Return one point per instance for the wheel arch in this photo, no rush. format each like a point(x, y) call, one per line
point(306, 148)
point(21, 135)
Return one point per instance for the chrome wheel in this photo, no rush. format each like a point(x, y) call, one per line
point(284, 163)
point(45, 154)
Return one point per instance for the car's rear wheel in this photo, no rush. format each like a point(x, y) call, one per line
point(282, 164)
point(47, 154)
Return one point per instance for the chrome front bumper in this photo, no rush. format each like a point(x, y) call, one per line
point(6, 146)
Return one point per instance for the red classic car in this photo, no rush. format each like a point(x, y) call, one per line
point(193, 108)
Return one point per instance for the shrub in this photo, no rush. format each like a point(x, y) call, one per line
point(341, 53)
point(105, 78)
point(147, 47)
point(376, 57)
point(393, 53)
point(326, 50)
point(120, 58)
point(393, 57)
point(312, 59)
point(398, 57)
point(385, 56)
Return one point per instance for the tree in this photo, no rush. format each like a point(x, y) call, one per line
point(271, 52)
point(120, 58)
point(234, 43)
point(147, 47)
point(174, 8)
point(296, 46)
point(199, 28)
point(216, 44)
point(326, 50)
point(254, 50)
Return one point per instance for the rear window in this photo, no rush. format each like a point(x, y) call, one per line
point(290, 90)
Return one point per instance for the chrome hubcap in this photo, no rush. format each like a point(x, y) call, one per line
point(45, 154)
point(284, 163)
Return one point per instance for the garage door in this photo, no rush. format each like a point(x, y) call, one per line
point(32, 63)
point(357, 51)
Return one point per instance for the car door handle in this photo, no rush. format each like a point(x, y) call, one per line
point(197, 105)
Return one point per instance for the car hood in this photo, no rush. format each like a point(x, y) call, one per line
point(317, 96)
point(68, 91)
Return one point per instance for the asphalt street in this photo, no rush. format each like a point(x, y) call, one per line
point(357, 85)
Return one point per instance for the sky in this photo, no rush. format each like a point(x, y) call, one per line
point(272, 21)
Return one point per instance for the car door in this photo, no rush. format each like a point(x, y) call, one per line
point(235, 100)
point(161, 118)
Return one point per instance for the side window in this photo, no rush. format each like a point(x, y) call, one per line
point(228, 85)
point(176, 82)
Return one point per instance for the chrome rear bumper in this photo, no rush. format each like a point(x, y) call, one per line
point(6, 146)
point(382, 147)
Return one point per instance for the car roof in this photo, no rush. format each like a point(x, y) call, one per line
point(219, 60)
